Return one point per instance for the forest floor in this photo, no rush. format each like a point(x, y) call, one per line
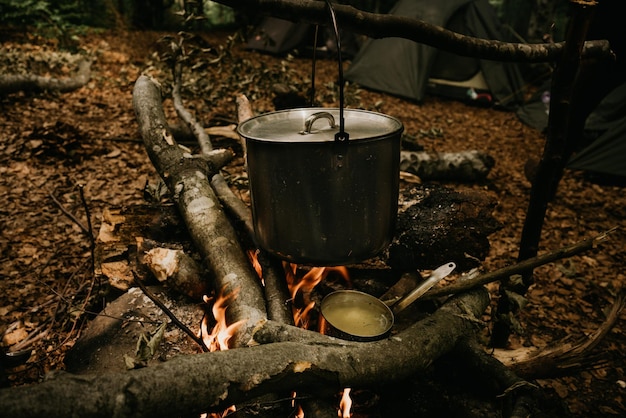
point(66, 156)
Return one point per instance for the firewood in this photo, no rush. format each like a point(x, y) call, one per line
point(299, 360)
point(441, 225)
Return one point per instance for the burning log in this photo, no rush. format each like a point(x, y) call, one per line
point(286, 358)
point(292, 358)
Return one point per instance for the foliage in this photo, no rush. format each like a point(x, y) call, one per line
point(59, 19)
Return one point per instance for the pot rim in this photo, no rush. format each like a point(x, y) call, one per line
point(288, 126)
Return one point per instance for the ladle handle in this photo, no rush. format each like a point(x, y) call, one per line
point(436, 276)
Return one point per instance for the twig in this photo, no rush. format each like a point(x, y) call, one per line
point(69, 215)
point(169, 313)
point(186, 116)
point(233, 204)
point(506, 272)
point(92, 241)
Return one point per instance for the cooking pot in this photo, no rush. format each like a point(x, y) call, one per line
point(358, 316)
point(319, 195)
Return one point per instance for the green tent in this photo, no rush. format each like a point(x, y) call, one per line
point(409, 69)
point(607, 153)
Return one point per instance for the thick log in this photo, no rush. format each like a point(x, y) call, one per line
point(302, 361)
point(187, 178)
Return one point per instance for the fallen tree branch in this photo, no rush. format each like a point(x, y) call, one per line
point(11, 83)
point(306, 361)
point(385, 26)
point(196, 128)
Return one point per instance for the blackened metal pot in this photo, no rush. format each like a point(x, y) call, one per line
point(320, 195)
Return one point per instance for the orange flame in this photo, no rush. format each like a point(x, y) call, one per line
point(345, 404)
point(221, 333)
point(304, 286)
point(253, 255)
point(299, 412)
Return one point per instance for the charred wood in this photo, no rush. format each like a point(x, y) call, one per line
point(442, 225)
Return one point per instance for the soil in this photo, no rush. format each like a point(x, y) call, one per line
point(65, 158)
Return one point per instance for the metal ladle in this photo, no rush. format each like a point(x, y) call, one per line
point(375, 317)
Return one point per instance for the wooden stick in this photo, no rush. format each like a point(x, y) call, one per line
point(506, 272)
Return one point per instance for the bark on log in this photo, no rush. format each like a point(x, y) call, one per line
point(384, 26)
point(11, 83)
point(463, 166)
point(304, 360)
point(188, 181)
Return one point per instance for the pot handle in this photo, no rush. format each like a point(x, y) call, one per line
point(308, 122)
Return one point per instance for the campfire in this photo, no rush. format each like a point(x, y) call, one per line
point(256, 310)
point(301, 282)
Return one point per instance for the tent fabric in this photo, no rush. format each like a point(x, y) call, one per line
point(278, 36)
point(607, 153)
point(605, 127)
point(402, 67)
